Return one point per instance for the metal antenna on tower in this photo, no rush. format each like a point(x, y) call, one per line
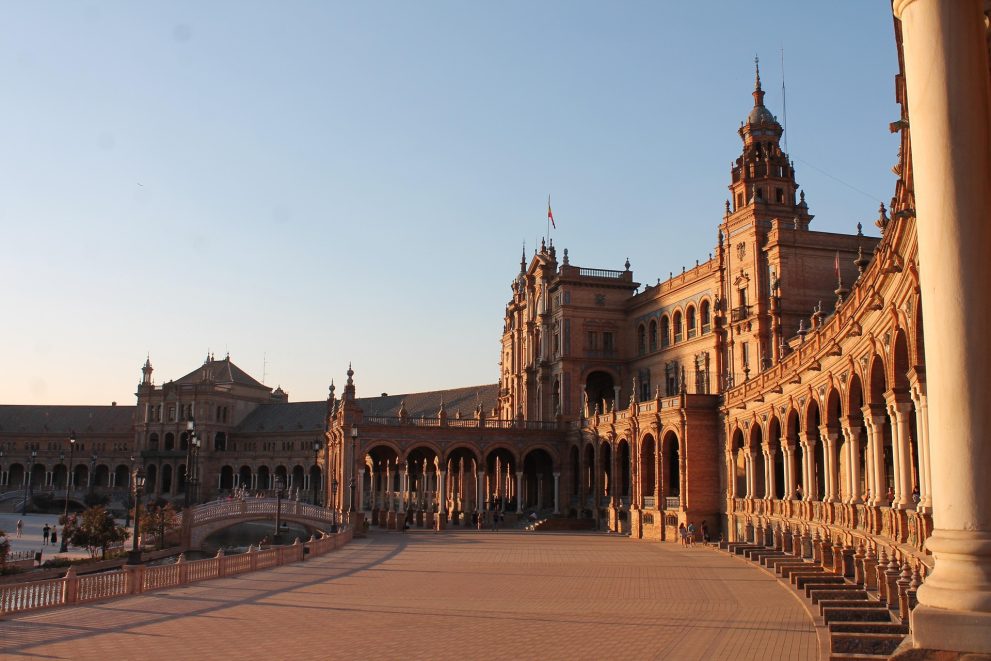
point(264, 365)
point(784, 102)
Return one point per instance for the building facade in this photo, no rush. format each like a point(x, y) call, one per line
point(778, 390)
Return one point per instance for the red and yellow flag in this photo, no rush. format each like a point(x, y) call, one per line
point(550, 214)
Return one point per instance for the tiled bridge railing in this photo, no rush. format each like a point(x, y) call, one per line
point(252, 507)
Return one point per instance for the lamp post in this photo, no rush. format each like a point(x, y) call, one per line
point(130, 498)
point(317, 445)
point(27, 492)
point(134, 557)
point(68, 485)
point(278, 508)
point(190, 435)
point(333, 491)
point(194, 480)
point(92, 473)
point(354, 451)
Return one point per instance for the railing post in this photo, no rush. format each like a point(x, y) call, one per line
point(70, 588)
point(297, 547)
point(252, 557)
point(183, 569)
point(135, 574)
point(220, 563)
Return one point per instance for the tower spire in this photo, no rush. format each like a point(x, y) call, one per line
point(758, 91)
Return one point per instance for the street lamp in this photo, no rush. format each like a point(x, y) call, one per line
point(127, 515)
point(333, 490)
point(27, 492)
point(134, 557)
point(68, 485)
point(190, 435)
point(354, 451)
point(92, 472)
point(317, 445)
point(278, 508)
point(194, 473)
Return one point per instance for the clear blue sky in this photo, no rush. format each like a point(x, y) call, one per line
point(324, 182)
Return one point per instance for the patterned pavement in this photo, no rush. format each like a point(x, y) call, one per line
point(457, 595)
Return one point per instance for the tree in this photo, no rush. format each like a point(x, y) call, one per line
point(94, 529)
point(159, 521)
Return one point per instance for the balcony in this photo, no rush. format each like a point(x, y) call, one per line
point(739, 313)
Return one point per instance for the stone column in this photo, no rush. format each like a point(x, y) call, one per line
point(900, 411)
point(748, 471)
point(731, 471)
point(770, 482)
point(789, 460)
point(479, 490)
point(946, 64)
point(922, 422)
point(808, 460)
point(829, 437)
point(519, 491)
point(361, 489)
point(557, 484)
point(875, 456)
point(852, 434)
point(441, 493)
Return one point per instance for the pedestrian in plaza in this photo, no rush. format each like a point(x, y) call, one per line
point(683, 533)
point(705, 532)
point(481, 521)
point(691, 533)
point(45, 532)
point(54, 537)
point(20, 528)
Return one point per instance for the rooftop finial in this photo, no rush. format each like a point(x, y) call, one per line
point(758, 92)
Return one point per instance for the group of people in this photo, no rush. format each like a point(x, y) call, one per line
point(49, 535)
point(687, 533)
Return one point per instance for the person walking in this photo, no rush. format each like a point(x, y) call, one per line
point(691, 533)
point(705, 532)
point(20, 528)
point(54, 537)
point(683, 533)
point(45, 532)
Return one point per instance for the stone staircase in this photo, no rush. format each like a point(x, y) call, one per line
point(850, 597)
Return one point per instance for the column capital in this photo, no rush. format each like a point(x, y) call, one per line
point(899, 6)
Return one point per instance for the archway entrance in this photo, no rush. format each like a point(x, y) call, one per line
point(599, 392)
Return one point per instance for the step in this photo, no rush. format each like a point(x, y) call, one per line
point(852, 614)
point(774, 563)
point(809, 587)
point(865, 643)
point(767, 560)
point(801, 580)
point(846, 592)
point(848, 603)
point(868, 627)
point(804, 568)
point(856, 657)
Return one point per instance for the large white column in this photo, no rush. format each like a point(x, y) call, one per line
point(557, 484)
point(770, 483)
point(829, 437)
point(789, 460)
point(875, 457)
point(946, 65)
point(852, 434)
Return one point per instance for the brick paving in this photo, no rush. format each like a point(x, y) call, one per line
point(448, 596)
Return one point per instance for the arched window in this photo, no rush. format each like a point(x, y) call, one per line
point(706, 317)
point(690, 320)
point(665, 331)
point(677, 326)
point(641, 340)
point(652, 335)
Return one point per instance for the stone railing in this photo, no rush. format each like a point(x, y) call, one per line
point(906, 528)
point(135, 579)
point(226, 509)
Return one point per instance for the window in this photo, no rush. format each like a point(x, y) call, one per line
point(652, 335)
point(779, 195)
point(690, 321)
point(665, 331)
point(171, 414)
point(608, 345)
point(641, 340)
point(745, 353)
point(593, 341)
point(677, 326)
point(706, 316)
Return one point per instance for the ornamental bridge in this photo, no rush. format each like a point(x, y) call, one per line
point(201, 521)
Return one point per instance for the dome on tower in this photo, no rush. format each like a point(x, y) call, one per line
point(761, 115)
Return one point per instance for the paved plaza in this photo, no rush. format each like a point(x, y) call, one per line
point(457, 595)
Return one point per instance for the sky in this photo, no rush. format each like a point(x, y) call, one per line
point(308, 184)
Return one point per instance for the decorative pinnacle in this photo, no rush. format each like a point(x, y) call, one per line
point(757, 69)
